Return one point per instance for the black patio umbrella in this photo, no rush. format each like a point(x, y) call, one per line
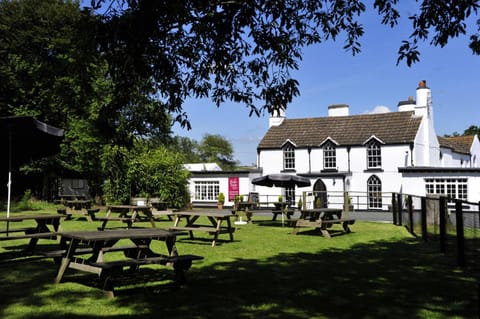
point(25, 139)
point(281, 180)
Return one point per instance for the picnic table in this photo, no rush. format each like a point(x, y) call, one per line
point(215, 228)
point(244, 209)
point(85, 251)
point(128, 214)
point(282, 208)
point(323, 219)
point(77, 207)
point(45, 228)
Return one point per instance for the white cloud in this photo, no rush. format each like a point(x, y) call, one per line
point(379, 109)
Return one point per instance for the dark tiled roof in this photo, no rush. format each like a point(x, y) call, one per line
point(460, 144)
point(391, 128)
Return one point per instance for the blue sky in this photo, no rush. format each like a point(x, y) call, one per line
point(329, 75)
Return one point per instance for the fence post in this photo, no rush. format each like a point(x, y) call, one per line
point(399, 208)
point(410, 213)
point(443, 224)
point(460, 233)
point(394, 208)
point(424, 218)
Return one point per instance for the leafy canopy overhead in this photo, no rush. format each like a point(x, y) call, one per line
point(244, 50)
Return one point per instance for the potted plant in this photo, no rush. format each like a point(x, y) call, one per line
point(318, 202)
point(300, 204)
point(348, 203)
point(220, 200)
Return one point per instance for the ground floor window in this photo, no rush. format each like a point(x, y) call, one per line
point(451, 187)
point(207, 190)
point(290, 195)
point(374, 192)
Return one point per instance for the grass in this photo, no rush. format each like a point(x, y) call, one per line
point(377, 271)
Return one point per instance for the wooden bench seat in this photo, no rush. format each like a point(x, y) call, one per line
point(323, 224)
point(277, 212)
point(207, 229)
point(18, 230)
point(86, 250)
point(31, 236)
point(112, 269)
point(89, 213)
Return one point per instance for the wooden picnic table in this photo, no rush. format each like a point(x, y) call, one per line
point(128, 214)
point(81, 207)
point(244, 209)
point(85, 251)
point(215, 228)
point(45, 228)
point(323, 219)
point(282, 208)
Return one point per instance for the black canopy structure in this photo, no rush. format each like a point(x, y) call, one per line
point(281, 180)
point(23, 139)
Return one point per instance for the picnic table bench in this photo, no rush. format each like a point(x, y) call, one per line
point(128, 214)
point(95, 244)
point(322, 219)
point(45, 228)
point(215, 228)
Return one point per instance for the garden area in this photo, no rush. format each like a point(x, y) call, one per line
point(377, 271)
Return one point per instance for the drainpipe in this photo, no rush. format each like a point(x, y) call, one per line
point(411, 154)
point(309, 149)
point(348, 157)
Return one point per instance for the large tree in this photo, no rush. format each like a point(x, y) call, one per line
point(216, 148)
point(244, 50)
point(53, 69)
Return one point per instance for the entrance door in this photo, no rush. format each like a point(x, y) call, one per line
point(320, 194)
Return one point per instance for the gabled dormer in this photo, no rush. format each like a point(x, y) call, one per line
point(329, 146)
point(288, 149)
point(374, 152)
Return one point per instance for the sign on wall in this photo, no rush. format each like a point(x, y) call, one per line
point(233, 188)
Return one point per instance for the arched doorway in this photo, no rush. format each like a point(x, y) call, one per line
point(320, 194)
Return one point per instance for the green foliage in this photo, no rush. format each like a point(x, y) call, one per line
point(238, 198)
point(245, 51)
point(280, 198)
point(318, 202)
point(159, 173)
point(215, 148)
point(115, 166)
point(221, 198)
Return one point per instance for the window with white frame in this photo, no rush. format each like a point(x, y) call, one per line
point(450, 187)
point(329, 156)
point(374, 154)
point(374, 192)
point(207, 190)
point(288, 156)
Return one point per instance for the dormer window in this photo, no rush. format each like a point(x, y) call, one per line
point(288, 157)
point(374, 154)
point(329, 156)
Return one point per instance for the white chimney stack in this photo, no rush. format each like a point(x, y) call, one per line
point(277, 116)
point(338, 110)
point(424, 100)
point(409, 105)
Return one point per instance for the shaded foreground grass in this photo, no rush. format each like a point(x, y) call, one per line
point(377, 271)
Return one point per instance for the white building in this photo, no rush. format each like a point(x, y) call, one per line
point(369, 153)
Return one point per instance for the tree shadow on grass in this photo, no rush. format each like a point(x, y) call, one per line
point(373, 280)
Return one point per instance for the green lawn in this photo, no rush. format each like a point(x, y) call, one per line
point(377, 271)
